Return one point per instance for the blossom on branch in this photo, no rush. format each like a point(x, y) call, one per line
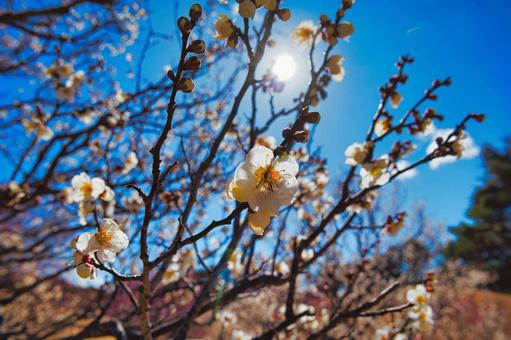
point(106, 243)
point(265, 183)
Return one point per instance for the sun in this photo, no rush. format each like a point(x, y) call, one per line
point(284, 67)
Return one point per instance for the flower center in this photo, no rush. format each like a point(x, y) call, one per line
point(86, 189)
point(267, 177)
point(103, 237)
point(421, 299)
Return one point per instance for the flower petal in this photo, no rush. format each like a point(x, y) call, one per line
point(259, 156)
point(258, 221)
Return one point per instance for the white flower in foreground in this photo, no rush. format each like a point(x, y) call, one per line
point(266, 184)
point(423, 318)
point(84, 188)
point(356, 153)
point(374, 173)
point(107, 242)
point(418, 296)
point(84, 267)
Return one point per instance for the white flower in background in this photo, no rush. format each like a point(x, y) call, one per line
point(334, 65)
point(227, 318)
point(36, 125)
point(234, 263)
point(59, 71)
point(387, 333)
point(356, 153)
point(282, 268)
point(418, 295)
point(172, 274)
point(131, 163)
point(107, 242)
point(307, 254)
point(382, 127)
point(422, 318)
point(133, 202)
point(374, 173)
point(84, 188)
point(240, 335)
point(464, 147)
point(76, 80)
point(266, 184)
point(304, 32)
point(365, 202)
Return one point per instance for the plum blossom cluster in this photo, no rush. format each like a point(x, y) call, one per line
point(102, 246)
point(421, 314)
point(66, 88)
point(227, 30)
point(266, 183)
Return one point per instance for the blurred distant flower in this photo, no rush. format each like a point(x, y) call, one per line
point(418, 295)
point(131, 163)
point(374, 173)
point(36, 125)
point(356, 153)
point(304, 32)
point(334, 65)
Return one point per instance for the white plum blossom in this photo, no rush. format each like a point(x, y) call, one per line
point(356, 153)
point(131, 163)
point(240, 335)
point(374, 173)
point(422, 318)
point(85, 191)
point(265, 183)
point(418, 295)
point(36, 125)
point(106, 243)
point(85, 188)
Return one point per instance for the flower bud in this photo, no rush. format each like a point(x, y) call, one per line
point(192, 64)
point(184, 25)
point(284, 14)
point(247, 9)
point(347, 3)
point(345, 29)
point(270, 5)
point(286, 133)
point(197, 46)
point(301, 136)
point(395, 99)
point(272, 43)
point(480, 117)
point(185, 85)
point(324, 19)
point(195, 12)
point(311, 117)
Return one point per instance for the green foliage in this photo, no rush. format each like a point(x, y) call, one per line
point(486, 242)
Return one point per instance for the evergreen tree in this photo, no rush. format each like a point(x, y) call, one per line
point(486, 242)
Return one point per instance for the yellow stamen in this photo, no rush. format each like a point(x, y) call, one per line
point(267, 177)
point(87, 189)
point(103, 237)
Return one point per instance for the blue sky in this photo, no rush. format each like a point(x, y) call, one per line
point(466, 40)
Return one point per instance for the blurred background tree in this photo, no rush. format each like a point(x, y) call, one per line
point(486, 242)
